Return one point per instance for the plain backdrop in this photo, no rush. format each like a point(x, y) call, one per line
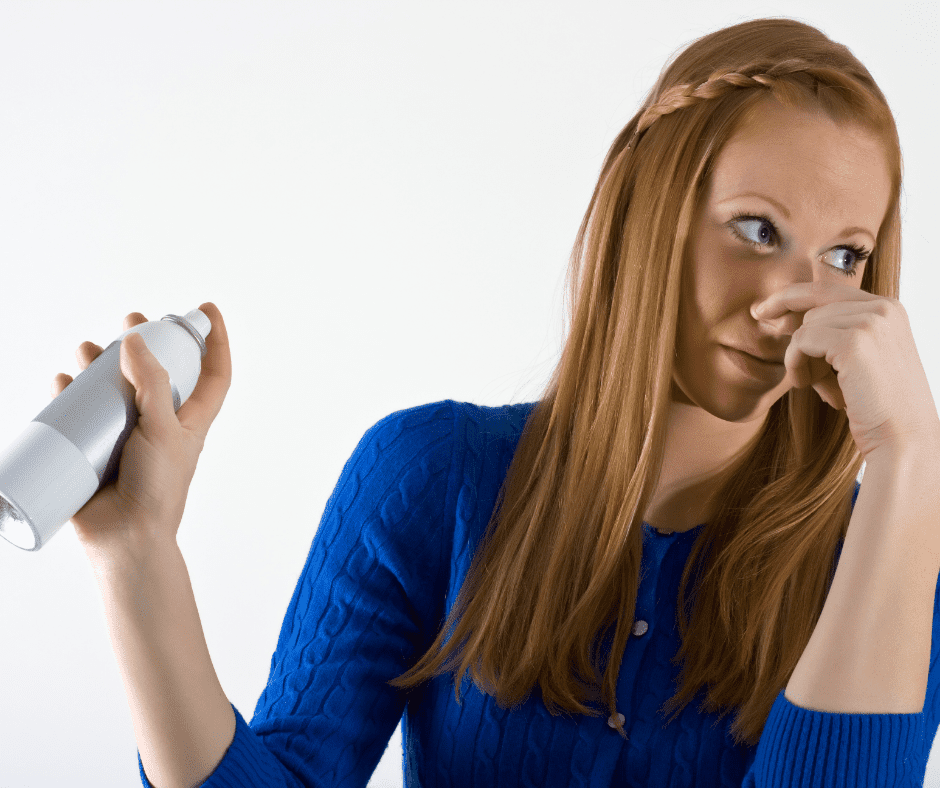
point(381, 199)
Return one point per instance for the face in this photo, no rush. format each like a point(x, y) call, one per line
point(816, 179)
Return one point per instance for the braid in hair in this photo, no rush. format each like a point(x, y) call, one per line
point(755, 75)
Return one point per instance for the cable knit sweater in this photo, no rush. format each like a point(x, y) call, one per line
point(385, 565)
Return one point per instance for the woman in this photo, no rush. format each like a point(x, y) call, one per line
point(684, 495)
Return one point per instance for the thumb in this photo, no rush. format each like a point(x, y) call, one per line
point(150, 380)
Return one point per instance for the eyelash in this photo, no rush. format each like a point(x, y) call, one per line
point(860, 252)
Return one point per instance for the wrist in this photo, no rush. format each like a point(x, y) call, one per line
point(924, 448)
point(133, 554)
point(899, 476)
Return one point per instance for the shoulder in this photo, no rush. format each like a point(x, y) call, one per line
point(464, 422)
point(421, 421)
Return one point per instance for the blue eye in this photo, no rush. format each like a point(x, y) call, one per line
point(861, 254)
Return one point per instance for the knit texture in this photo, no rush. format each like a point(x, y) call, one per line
point(391, 552)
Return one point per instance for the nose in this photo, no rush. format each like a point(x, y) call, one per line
point(778, 327)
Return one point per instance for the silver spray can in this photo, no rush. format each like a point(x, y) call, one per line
point(73, 447)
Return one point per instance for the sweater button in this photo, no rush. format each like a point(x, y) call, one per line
point(612, 724)
point(640, 628)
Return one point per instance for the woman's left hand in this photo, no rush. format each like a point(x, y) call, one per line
point(857, 351)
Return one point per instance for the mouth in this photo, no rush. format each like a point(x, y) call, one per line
point(761, 359)
point(756, 368)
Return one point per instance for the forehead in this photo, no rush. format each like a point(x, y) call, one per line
point(807, 161)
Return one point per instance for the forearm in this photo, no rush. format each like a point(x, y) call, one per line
point(182, 719)
point(870, 650)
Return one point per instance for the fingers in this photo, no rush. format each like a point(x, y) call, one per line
point(217, 365)
point(87, 352)
point(134, 319)
point(204, 404)
point(59, 382)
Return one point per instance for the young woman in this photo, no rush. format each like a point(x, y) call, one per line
point(674, 526)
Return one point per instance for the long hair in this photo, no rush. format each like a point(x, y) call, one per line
point(563, 565)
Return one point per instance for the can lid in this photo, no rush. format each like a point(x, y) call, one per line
point(198, 320)
point(197, 324)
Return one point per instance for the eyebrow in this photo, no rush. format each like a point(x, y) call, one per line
point(785, 212)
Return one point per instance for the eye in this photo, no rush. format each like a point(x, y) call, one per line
point(765, 228)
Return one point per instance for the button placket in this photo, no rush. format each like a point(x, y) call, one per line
point(640, 628)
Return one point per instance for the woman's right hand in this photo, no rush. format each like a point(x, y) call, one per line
point(144, 505)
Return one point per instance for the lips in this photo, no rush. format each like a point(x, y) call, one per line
point(766, 360)
point(767, 373)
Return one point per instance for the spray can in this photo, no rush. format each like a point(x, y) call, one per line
point(73, 447)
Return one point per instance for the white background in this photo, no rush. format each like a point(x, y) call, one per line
point(381, 199)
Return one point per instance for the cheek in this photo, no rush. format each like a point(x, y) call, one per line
point(716, 281)
point(709, 303)
point(716, 271)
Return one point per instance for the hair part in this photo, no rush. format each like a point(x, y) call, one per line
point(571, 507)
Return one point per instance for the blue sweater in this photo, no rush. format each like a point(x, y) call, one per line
point(385, 565)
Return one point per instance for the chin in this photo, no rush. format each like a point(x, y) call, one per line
point(733, 406)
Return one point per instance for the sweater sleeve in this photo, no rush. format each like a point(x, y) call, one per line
point(369, 601)
point(802, 747)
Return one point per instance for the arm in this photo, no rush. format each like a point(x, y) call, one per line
point(183, 721)
point(870, 650)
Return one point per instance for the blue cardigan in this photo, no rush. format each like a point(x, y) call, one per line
point(385, 565)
